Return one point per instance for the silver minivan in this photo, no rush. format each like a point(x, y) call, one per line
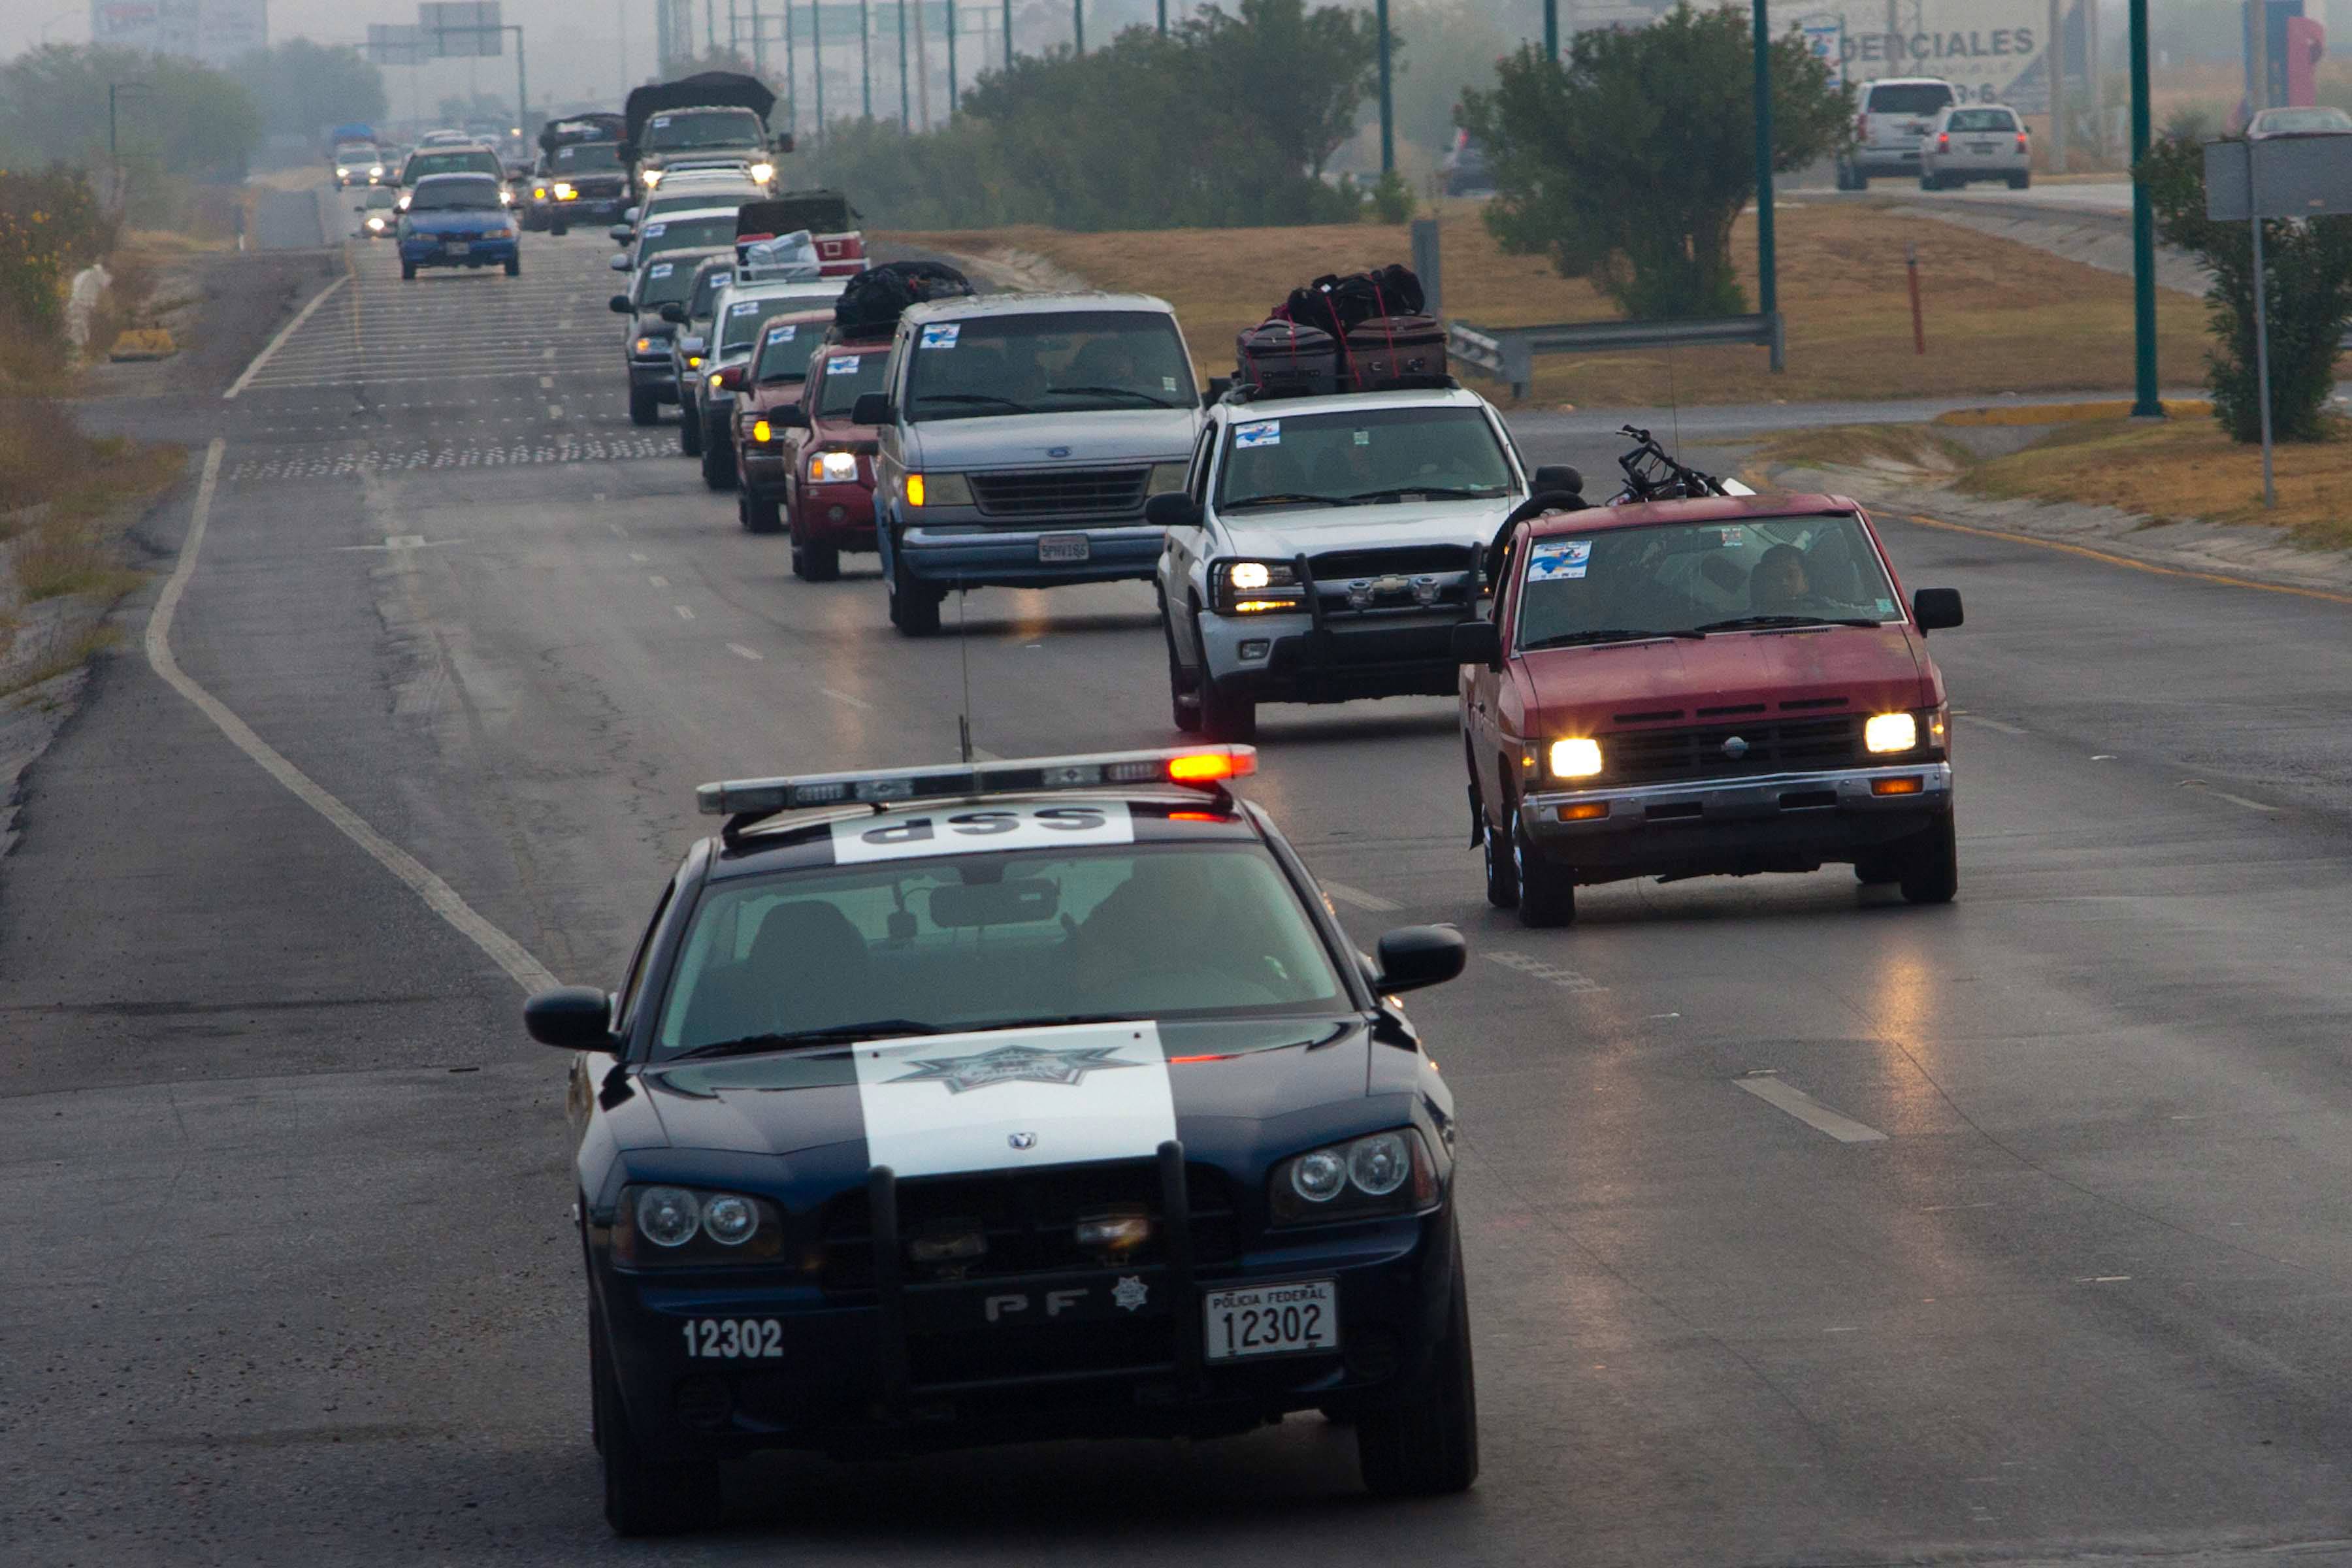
point(1979, 142)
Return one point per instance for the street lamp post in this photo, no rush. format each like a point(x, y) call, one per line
point(2146, 404)
point(1768, 286)
point(1388, 107)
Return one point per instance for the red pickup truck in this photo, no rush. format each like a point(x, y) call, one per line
point(1721, 685)
point(808, 468)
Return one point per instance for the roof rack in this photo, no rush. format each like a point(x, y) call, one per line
point(746, 801)
point(1244, 392)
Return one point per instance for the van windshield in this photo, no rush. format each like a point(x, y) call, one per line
point(1065, 362)
point(1684, 579)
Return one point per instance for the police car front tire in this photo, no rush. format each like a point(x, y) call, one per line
point(1427, 1444)
point(642, 1497)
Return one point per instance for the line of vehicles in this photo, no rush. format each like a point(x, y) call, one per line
point(998, 1100)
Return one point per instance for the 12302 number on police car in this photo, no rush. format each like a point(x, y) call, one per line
point(1271, 1319)
point(734, 1339)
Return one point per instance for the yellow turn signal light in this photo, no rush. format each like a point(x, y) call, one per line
point(914, 490)
point(760, 431)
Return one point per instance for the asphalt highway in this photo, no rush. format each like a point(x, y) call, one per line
point(2046, 1258)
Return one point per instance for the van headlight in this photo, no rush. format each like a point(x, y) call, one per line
point(1166, 478)
point(938, 490)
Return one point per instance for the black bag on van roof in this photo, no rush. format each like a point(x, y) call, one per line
point(873, 300)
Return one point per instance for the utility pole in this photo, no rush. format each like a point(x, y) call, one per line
point(1388, 107)
point(2146, 405)
point(953, 91)
point(865, 58)
point(792, 78)
point(2054, 58)
point(1079, 22)
point(1163, 18)
point(758, 43)
point(817, 32)
point(906, 114)
point(923, 64)
point(1767, 288)
point(1551, 29)
point(1008, 35)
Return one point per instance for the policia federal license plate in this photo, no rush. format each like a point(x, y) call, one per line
point(1271, 1319)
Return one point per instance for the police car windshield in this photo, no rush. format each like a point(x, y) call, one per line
point(585, 156)
point(1682, 579)
point(450, 196)
point(995, 940)
point(846, 376)
point(687, 234)
point(1362, 458)
point(1067, 362)
point(700, 128)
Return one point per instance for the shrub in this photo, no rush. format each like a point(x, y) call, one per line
point(2307, 270)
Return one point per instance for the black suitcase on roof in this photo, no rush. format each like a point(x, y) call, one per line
point(1395, 351)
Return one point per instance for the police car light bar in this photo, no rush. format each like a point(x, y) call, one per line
point(1193, 767)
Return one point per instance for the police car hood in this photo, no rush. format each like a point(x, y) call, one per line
point(1279, 532)
point(1087, 439)
point(1003, 1099)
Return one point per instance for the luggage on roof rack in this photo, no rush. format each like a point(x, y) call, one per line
point(1361, 332)
point(784, 258)
point(873, 300)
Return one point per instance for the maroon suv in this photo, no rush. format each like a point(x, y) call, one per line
point(805, 465)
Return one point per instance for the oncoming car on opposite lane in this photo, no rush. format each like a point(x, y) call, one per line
point(458, 220)
point(1004, 1101)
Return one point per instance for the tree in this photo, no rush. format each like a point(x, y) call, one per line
point(1630, 163)
point(2307, 276)
point(306, 88)
point(183, 122)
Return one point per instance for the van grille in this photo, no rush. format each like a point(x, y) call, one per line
point(1054, 493)
point(1789, 745)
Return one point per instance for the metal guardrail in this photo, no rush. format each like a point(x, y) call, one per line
point(1508, 353)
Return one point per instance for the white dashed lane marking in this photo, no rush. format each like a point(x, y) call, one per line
point(739, 651)
point(845, 697)
point(684, 613)
point(1528, 964)
point(1768, 1088)
point(1360, 899)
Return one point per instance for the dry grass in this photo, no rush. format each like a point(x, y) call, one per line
point(2183, 469)
point(2000, 317)
point(1918, 450)
point(71, 645)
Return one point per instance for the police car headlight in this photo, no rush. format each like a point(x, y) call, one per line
point(668, 1216)
point(1890, 732)
point(1387, 1172)
point(1577, 758)
point(678, 1227)
point(1256, 587)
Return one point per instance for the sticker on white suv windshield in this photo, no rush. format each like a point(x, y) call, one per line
point(988, 827)
point(660, 120)
point(659, 269)
point(943, 336)
point(744, 307)
point(846, 365)
point(656, 230)
point(1557, 559)
point(1265, 433)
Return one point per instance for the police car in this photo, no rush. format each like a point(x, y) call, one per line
point(1002, 1101)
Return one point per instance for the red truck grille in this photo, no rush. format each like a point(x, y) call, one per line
point(1790, 745)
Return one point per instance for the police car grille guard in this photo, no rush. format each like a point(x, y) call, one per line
point(1764, 746)
point(1056, 492)
point(1176, 1273)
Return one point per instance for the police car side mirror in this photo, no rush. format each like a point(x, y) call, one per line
point(872, 408)
point(618, 304)
point(1174, 509)
point(572, 1019)
point(673, 313)
point(1478, 642)
point(1415, 956)
point(1936, 609)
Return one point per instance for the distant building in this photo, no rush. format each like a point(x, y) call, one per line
point(212, 31)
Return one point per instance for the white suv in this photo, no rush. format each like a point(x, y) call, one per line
point(1324, 548)
point(1895, 114)
point(1984, 142)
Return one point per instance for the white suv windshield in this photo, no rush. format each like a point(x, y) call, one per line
point(1675, 579)
point(1361, 457)
point(1910, 98)
point(1064, 362)
point(981, 942)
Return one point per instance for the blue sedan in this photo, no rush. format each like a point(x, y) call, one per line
point(460, 220)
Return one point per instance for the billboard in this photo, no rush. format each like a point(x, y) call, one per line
point(228, 28)
point(461, 28)
point(214, 31)
point(397, 44)
point(1989, 51)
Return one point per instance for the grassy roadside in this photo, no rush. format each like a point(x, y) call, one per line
point(2000, 317)
point(2185, 469)
point(67, 500)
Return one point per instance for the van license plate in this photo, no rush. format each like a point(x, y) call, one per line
point(1062, 547)
point(1271, 1320)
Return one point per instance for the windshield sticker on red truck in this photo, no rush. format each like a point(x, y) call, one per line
point(844, 364)
point(1559, 560)
point(943, 336)
point(783, 334)
point(1734, 537)
point(660, 120)
point(1265, 433)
